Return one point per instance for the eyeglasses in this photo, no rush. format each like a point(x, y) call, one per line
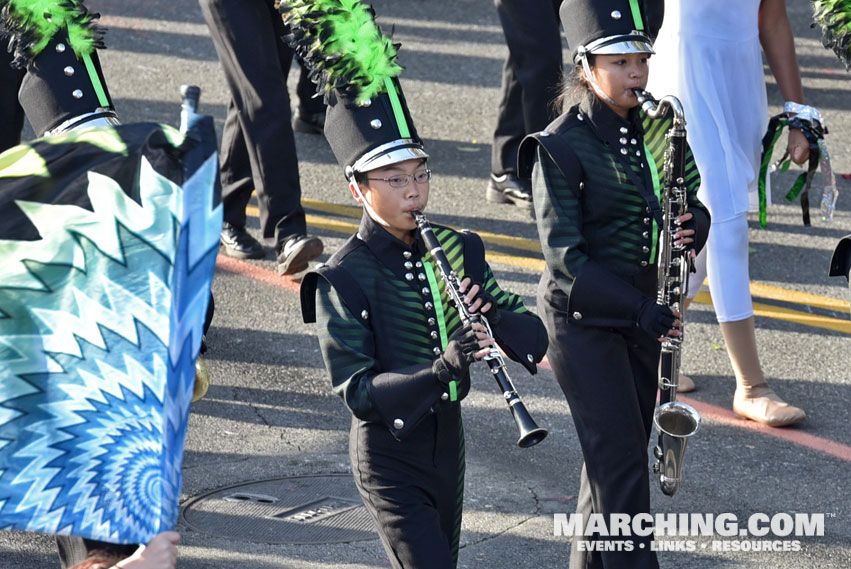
point(421, 177)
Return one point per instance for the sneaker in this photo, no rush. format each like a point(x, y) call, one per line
point(311, 123)
point(240, 244)
point(508, 188)
point(296, 253)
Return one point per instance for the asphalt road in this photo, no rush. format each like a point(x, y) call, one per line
point(270, 414)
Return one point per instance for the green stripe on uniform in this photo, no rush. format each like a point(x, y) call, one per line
point(398, 113)
point(636, 15)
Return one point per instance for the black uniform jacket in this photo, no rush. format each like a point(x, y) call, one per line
point(598, 212)
point(379, 327)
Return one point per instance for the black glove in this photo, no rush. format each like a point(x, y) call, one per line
point(690, 224)
point(655, 319)
point(459, 354)
point(492, 313)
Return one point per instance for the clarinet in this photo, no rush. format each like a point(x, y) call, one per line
point(530, 433)
point(675, 421)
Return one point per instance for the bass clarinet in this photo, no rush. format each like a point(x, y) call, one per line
point(675, 421)
point(530, 433)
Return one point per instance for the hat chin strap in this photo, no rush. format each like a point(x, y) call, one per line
point(594, 87)
point(372, 213)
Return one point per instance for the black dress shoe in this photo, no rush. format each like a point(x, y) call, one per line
point(508, 188)
point(296, 253)
point(311, 123)
point(240, 244)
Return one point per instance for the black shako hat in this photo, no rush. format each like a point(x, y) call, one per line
point(60, 89)
point(373, 133)
point(367, 121)
point(605, 27)
point(57, 42)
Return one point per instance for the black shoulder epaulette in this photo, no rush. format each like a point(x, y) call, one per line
point(549, 140)
point(474, 256)
point(339, 278)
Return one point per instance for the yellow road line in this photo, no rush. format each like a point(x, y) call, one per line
point(758, 290)
point(789, 315)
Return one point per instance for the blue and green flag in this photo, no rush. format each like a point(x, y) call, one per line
point(108, 239)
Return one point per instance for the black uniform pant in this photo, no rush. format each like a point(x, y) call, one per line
point(258, 145)
point(531, 76)
point(11, 112)
point(610, 378)
point(414, 489)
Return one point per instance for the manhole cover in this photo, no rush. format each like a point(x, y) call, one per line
point(300, 509)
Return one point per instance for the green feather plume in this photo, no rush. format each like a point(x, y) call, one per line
point(31, 24)
point(834, 18)
point(342, 45)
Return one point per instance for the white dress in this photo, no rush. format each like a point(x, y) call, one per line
point(708, 55)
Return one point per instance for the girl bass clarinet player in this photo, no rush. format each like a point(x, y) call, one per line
point(394, 346)
point(596, 174)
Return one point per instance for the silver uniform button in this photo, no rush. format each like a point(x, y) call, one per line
point(624, 151)
point(398, 424)
point(622, 140)
point(77, 94)
point(419, 264)
point(646, 221)
point(426, 290)
point(421, 276)
point(624, 130)
point(616, 15)
point(577, 316)
point(60, 48)
point(406, 254)
point(646, 235)
point(530, 358)
point(69, 71)
point(643, 263)
point(375, 123)
point(428, 306)
point(409, 276)
point(638, 153)
point(434, 335)
point(645, 248)
point(633, 141)
point(364, 315)
point(409, 265)
point(580, 117)
point(436, 350)
point(366, 103)
point(432, 321)
point(445, 396)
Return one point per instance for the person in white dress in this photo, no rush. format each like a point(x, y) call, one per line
point(708, 55)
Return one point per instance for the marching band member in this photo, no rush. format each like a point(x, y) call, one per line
point(728, 115)
point(393, 344)
point(596, 172)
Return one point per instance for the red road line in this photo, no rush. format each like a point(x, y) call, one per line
point(708, 411)
point(257, 273)
point(728, 418)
